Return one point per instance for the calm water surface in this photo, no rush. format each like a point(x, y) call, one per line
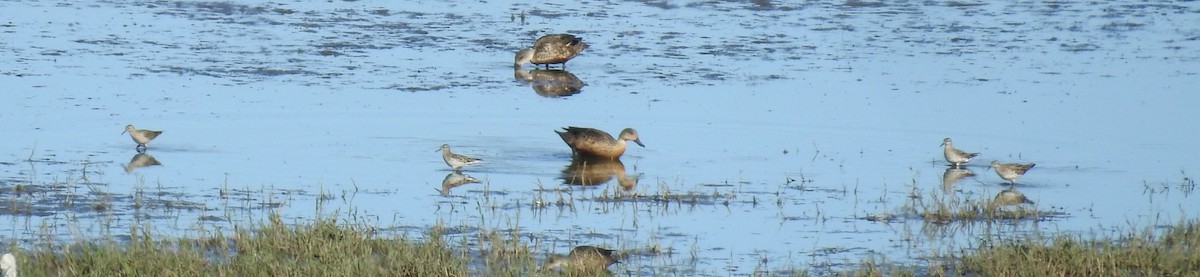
point(786, 124)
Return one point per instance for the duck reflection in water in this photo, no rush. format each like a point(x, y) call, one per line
point(585, 171)
point(953, 175)
point(455, 179)
point(550, 83)
point(141, 159)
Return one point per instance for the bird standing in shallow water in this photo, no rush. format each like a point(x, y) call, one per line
point(956, 156)
point(457, 161)
point(590, 142)
point(551, 49)
point(582, 258)
point(141, 137)
point(1011, 171)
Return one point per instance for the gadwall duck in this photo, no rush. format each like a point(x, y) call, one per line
point(595, 143)
point(551, 49)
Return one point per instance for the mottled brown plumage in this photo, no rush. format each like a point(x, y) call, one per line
point(956, 156)
point(456, 161)
point(590, 142)
point(551, 49)
point(582, 259)
point(141, 137)
point(1011, 171)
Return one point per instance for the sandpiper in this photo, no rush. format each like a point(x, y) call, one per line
point(141, 137)
point(551, 49)
point(456, 161)
point(1011, 171)
point(595, 143)
point(956, 156)
point(582, 258)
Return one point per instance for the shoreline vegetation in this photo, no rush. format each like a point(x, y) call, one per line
point(331, 246)
point(346, 244)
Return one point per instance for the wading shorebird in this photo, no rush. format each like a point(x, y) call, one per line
point(456, 161)
point(8, 265)
point(956, 156)
point(590, 142)
point(1011, 171)
point(582, 258)
point(141, 137)
point(550, 49)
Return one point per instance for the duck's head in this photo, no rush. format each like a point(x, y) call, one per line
point(523, 56)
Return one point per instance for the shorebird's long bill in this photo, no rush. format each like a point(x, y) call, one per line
point(123, 132)
point(639, 142)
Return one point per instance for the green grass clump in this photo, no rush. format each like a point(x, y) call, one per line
point(1174, 253)
point(324, 247)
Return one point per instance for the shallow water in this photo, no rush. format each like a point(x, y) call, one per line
point(788, 125)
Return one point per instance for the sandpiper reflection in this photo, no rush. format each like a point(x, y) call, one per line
point(1009, 197)
point(141, 159)
point(550, 83)
point(455, 179)
point(953, 175)
point(584, 171)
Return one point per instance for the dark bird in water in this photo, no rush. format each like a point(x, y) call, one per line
point(581, 259)
point(594, 143)
point(551, 49)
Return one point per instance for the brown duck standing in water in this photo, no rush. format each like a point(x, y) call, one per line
point(551, 49)
point(582, 259)
point(594, 143)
